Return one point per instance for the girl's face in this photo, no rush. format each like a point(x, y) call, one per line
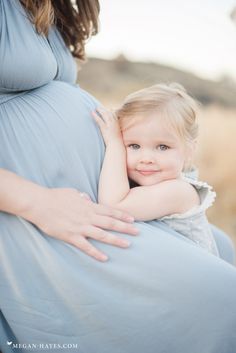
point(154, 152)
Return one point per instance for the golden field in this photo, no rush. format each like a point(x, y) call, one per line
point(216, 159)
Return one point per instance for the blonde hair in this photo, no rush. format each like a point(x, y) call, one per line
point(170, 102)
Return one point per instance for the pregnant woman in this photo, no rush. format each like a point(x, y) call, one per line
point(162, 294)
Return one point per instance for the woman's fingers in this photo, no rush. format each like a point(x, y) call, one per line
point(71, 216)
point(114, 224)
point(84, 245)
point(113, 212)
point(113, 219)
point(105, 237)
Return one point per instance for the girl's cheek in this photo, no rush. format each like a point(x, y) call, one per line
point(128, 159)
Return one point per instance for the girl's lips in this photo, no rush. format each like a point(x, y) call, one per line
point(147, 172)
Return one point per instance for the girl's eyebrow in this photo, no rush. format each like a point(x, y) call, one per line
point(131, 141)
point(165, 141)
point(160, 141)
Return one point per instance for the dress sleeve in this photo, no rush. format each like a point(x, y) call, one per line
point(205, 192)
point(209, 198)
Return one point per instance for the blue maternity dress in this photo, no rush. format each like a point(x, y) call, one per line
point(162, 295)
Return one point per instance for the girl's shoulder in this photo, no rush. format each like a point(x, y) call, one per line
point(197, 196)
point(205, 191)
point(186, 193)
point(177, 193)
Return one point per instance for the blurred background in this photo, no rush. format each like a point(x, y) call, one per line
point(143, 42)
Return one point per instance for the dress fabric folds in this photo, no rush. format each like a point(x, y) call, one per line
point(163, 294)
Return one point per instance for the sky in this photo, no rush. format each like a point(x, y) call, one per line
point(196, 36)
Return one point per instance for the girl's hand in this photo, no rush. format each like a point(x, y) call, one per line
point(108, 124)
point(71, 216)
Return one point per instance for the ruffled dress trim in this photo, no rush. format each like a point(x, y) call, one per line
point(206, 194)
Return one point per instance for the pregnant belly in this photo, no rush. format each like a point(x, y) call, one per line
point(48, 135)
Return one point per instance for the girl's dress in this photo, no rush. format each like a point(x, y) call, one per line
point(194, 224)
point(161, 295)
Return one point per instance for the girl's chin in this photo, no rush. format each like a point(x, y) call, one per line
point(149, 182)
point(143, 182)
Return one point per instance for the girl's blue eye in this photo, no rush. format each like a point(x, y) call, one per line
point(163, 147)
point(134, 146)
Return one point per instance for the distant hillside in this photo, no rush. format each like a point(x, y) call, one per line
point(111, 80)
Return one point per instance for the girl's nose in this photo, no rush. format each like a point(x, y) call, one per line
point(147, 158)
point(146, 161)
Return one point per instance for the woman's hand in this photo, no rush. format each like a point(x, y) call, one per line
point(71, 216)
point(108, 124)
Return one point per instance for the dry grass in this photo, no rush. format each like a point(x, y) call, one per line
point(217, 164)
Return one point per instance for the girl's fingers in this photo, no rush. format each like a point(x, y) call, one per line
point(98, 120)
point(105, 115)
point(100, 112)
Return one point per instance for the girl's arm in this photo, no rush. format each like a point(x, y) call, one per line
point(143, 202)
point(113, 182)
point(146, 203)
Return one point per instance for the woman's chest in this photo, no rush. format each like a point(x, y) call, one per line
point(30, 60)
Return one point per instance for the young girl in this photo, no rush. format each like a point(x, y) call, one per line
point(150, 141)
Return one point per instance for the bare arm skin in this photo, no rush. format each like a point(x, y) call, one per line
point(62, 213)
point(143, 202)
point(113, 181)
point(152, 202)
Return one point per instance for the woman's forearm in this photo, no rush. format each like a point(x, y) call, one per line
point(18, 195)
point(113, 183)
point(64, 214)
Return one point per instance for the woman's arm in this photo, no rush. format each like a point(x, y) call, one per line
point(18, 195)
point(113, 181)
point(64, 214)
